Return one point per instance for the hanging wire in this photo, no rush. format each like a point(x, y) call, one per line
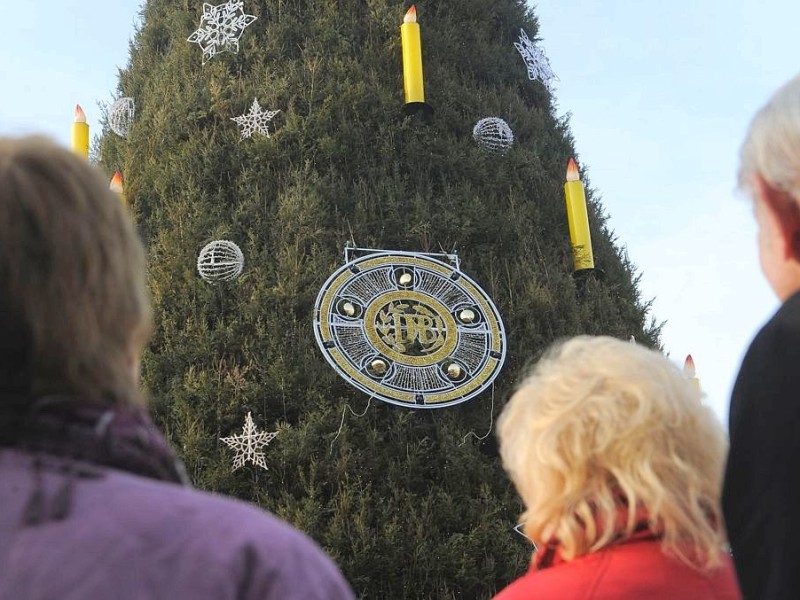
point(344, 413)
point(480, 438)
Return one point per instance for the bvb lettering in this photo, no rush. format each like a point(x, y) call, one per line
point(411, 328)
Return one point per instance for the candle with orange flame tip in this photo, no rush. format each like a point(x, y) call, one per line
point(580, 239)
point(80, 133)
point(413, 84)
point(116, 186)
point(690, 371)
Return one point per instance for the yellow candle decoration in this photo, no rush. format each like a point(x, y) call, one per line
point(413, 85)
point(80, 133)
point(580, 239)
point(690, 371)
point(116, 186)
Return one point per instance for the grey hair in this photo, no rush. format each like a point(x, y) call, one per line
point(772, 146)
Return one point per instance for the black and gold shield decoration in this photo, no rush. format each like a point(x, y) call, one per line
point(409, 329)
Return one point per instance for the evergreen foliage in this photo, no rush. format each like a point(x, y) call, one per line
point(405, 503)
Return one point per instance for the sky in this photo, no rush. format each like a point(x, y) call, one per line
point(659, 96)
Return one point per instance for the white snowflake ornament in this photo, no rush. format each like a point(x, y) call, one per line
point(221, 26)
point(256, 120)
point(535, 60)
point(248, 444)
point(494, 135)
point(120, 116)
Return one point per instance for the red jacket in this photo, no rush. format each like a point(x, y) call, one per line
point(635, 570)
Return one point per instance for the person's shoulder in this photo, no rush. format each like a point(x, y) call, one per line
point(782, 330)
point(565, 581)
point(643, 570)
point(623, 572)
point(772, 355)
point(184, 502)
point(205, 512)
point(180, 541)
point(228, 535)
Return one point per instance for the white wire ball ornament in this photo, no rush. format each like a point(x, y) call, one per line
point(220, 260)
point(494, 135)
point(121, 115)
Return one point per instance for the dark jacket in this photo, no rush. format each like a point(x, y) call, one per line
point(79, 529)
point(761, 495)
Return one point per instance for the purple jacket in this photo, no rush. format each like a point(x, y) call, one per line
point(130, 537)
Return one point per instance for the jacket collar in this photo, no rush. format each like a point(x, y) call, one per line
point(550, 554)
point(119, 438)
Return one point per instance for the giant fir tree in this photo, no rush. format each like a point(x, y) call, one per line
point(407, 502)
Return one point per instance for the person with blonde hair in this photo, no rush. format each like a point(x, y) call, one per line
point(619, 465)
point(93, 503)
point(761, 494)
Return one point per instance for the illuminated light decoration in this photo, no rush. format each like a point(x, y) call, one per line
point(688, 367)
point(454, 371)
point(494, 135)
point(221, 260)
point(690, 371)
point(535, 61)
point(120, 116)
point(221, 26)
point(117, 187)
point(578, 219)
point(116, 183)
point(466, 315)
point(80, 133)
point(409, 329)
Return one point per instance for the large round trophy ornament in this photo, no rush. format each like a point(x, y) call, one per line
point(409, 329)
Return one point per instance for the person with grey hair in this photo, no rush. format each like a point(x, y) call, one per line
point(761, 492)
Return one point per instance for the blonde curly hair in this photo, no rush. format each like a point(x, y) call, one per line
point(603, 429)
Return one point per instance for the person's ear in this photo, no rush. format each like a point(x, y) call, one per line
point(784, 213)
